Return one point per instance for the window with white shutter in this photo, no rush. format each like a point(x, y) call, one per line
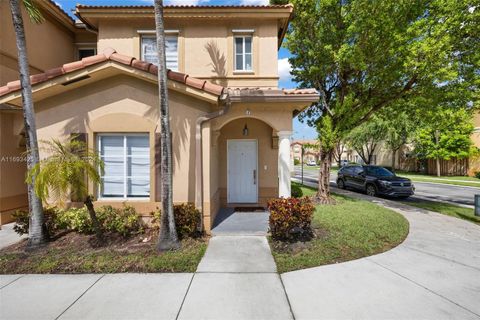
point(149, 50)
point(127, 165)
point(243, 53)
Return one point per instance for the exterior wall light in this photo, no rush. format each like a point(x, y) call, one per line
point(245, 130)
point(248, 112)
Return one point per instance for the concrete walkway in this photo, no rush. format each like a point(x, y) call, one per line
point(434, 274)
point(236, 279)
point(8, 236)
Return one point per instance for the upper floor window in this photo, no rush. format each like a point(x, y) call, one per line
point(86, 52)
point(149, 50)
point(243, 53)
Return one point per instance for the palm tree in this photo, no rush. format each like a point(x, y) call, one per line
point(37, 235)
point(62, 174)
point(168, 239)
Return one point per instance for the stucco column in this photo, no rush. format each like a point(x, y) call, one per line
point(284, 164)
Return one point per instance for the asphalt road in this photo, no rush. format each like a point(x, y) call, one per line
point(423, 190)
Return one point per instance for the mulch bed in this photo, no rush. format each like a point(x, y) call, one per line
point(78, 253)
point(294, 247)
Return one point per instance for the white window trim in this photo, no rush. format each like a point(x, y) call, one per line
point(125, 177)
point(243, 31)
point(235, 70)
point(85, 47)
point(154, 32)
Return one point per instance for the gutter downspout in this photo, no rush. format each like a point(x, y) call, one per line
point(225, 98)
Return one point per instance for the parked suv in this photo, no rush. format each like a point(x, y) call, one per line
point(374, 180)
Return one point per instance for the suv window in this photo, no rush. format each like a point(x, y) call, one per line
point(358, 170)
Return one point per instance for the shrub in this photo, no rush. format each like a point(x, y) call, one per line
point(22, 221)
point(291, 218)
point(296, 162)
point(75, 219)
point(296, 191)
point(124, 221)
point(477, 174)
point(187, 220)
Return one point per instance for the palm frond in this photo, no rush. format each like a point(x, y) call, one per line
point(33, 12)
point(64, 170)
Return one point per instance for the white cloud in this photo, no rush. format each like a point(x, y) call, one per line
point(254, 2)
point(284, 69)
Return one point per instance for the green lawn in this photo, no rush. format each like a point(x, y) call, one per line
point(447, 209)
point(461, 180)
point(348, 230)
point(102, 260)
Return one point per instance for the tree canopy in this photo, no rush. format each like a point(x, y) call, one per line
point(363, 56)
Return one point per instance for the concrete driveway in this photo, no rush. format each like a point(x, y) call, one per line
point(433, 274)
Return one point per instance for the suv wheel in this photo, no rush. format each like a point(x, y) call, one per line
point(341, 184)
point(371, 190)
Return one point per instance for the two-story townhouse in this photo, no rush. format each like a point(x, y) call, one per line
point(309, 153)
point(230, 122)
point(57, 40)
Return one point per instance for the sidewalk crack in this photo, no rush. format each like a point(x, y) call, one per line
point(185, 296)
point(21, 276)
point(61, 314)
point(422, 286)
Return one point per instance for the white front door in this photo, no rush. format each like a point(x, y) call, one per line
point(242, 170)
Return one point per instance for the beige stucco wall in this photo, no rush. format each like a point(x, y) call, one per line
point(12, 165)
point(126, 104)
point(49, 44)
point(201, 42)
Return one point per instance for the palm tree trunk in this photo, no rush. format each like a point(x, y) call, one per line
point(37, 232)
point(93, 216)
point(168, 238)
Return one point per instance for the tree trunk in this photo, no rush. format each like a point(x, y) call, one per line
point(168, 239)
point(323, 193)
point(438, 167)
point(394, 154)
point(36, 232)
point(93, 216)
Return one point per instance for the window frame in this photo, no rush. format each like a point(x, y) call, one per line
point(243, 37)
point(80, 48)
point(153, 36)
point(125, 157)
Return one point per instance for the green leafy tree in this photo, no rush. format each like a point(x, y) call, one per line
point(363, 56)
point(366, 138)
point(400, 122)
point(63, 174)
point(446, 135)
point(168, 238)
point(37, 235)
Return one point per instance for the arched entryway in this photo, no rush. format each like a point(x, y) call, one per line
point(248, 169)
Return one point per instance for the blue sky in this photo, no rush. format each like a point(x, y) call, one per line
point(301, 130)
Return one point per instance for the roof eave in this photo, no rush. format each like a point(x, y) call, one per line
point(300, 98)
point(87, 14)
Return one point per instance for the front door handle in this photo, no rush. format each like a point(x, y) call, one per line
point(254, 176)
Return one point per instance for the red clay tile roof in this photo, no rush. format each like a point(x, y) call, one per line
point(112, 55)
point(300, 91)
